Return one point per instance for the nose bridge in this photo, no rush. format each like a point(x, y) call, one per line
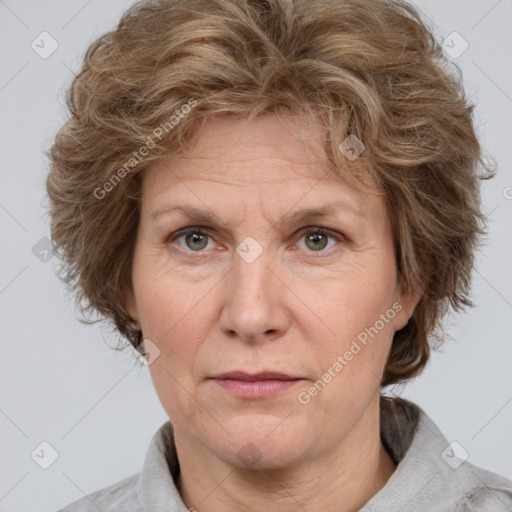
point(252, 305)
point(252, 277)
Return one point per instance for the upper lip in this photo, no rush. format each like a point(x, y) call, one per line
point(266, 375)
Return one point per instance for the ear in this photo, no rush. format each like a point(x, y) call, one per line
point(405, 303)
point(131, 304)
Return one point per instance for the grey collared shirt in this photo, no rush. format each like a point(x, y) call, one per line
point(432, 474)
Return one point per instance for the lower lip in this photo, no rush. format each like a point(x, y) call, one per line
point(255, 388)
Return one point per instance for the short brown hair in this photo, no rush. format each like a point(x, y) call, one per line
point(368, 68)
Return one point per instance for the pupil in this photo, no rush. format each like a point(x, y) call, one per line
point(194, 237)
point(315, 238)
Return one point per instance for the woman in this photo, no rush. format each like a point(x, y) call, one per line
point(276, 202)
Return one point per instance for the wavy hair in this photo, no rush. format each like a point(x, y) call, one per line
point(368, 68)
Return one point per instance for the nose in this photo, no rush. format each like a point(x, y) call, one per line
point(254, 295)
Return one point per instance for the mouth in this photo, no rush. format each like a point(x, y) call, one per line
point(265, 375)
point(258, 385)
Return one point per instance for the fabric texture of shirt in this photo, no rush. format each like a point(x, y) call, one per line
point(431, 473)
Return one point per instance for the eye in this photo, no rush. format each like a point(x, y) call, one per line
point(195, 239)
point(316, 240)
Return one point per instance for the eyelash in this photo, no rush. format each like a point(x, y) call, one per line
point(314, 230)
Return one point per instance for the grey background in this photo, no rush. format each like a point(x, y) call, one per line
point(59, 380)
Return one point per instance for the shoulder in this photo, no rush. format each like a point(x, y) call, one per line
point(467, 487)
point(122, 495)
point(481, 490)
point(432, 473)
point(456, 484)
point(146, 490)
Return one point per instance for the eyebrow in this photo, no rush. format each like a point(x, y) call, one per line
point(205, 216)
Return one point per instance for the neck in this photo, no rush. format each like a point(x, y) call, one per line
point(345, 478)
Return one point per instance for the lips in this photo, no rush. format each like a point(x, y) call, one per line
point(253, 386)
point(260, 376)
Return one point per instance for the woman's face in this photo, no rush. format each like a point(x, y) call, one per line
point(259, 287)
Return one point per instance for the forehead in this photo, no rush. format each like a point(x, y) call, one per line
point(232, 161)
point(297, 139)
point(266, 149)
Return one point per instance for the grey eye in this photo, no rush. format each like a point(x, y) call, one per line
point(196, 240)
point(317, 240)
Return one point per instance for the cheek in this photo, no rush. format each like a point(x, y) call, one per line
point(175, 394)
point(357, 327)
point(172, 317)
point(347, 307)
point(177, 324)
point(162, 299)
